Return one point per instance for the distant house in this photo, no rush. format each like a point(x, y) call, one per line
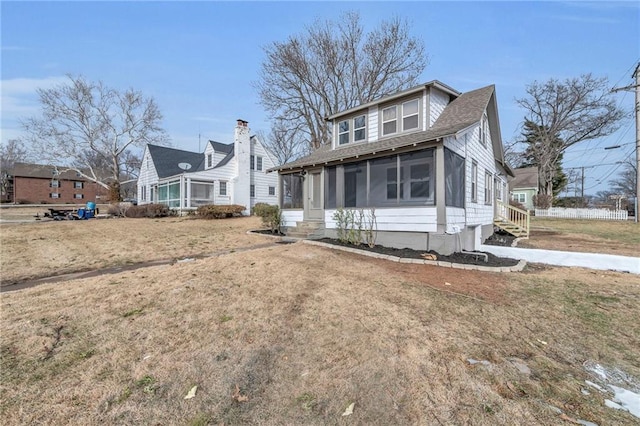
point(524, 186)
point(39, 183)
point(223, 174)
point(430, 161)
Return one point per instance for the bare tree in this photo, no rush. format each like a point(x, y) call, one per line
point(566, 113)
point(10, 153)
point(285, 143)
point(625, 183)
point(333, 66)
point(85, 125)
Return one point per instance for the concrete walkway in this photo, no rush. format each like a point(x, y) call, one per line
point(568, 258)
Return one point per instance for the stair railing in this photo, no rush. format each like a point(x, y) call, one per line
point(514, 215)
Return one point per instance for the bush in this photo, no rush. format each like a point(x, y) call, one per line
point(211, 211)
point(271, 216)
point(517, 205)
point(542, 201)
point(118, 209)
point(148, 210)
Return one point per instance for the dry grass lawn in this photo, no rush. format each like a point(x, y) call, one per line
point(591, 236)
point(293, 334)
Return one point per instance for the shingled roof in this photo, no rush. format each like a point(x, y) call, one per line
point(166, 160)
point(461, 113)
point(525, 178)
point(46, 171)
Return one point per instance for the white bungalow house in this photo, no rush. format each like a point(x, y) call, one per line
point(429, 160)
point(222, 174)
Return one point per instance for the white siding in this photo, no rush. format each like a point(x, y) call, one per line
point(373, 123)
point(456, 220)
point(408, 219)
point(261, 179)
point(290, 217)
point(439, 101)
point(147, 177)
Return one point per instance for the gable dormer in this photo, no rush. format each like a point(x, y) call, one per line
point(209, 156)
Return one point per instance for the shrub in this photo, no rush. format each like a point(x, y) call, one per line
point(271, 216)
point(542, 201)
point(211, 211)
point(118, 209)
point(148, 210)
point(517, 205)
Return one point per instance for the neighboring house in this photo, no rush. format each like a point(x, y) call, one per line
point(38, 183)
point(430, 161)
point(222, 174)
point(524, 186)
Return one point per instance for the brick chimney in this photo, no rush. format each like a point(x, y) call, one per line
point(242, 154)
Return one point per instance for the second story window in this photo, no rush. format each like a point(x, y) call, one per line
point(410, 115)
point(343, 132)
point(78, 185)
point(359, 128)
point(209, 160)
point(54, 183)
point(389, 120)
point(258, 162)
point(252, 165)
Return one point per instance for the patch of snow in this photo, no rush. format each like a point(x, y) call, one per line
point(585, 392)
point(586, 423)
point(627, 399)
point(186, 259)
point(612, 404)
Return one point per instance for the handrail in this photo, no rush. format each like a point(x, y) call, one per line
point(514, 215)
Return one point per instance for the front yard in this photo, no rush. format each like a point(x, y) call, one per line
point(294, 334)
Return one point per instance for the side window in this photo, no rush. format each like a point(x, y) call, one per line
point(474, 182)
point(360, 128)
point(223, 188)
point(258, 163)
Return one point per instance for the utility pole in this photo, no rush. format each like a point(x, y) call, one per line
point(636, 88)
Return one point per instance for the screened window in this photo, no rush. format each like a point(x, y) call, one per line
point(343, 132)
point(330, 187)
point(223, 188)
point(416, 177)
point(474, 182)
point(410, 115)
point(359, 128)
point(292, 191)
point(201, 193)
point(383, 181)
point(389, 120)
point(272, 190)
point(454, 179)
point(355, 184)
point(488, 181)
point(252, 190)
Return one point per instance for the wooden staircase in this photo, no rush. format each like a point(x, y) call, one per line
point(510, 219)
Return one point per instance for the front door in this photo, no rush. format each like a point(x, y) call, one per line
point(313, 207)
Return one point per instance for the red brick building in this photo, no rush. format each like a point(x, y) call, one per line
point(40, 184)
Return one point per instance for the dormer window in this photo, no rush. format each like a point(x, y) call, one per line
point(359, 128)
point(389, 120)
point(410, 115)
point(352, 130)
point(343, 132)
point(209, 160)
point(403, 117)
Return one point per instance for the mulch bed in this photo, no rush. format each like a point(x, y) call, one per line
point(467, 259)
point(500, 239)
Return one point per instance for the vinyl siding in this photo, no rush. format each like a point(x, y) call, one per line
point(438, 101)
point(261, 179)
point(409, 219)
point(148, 176)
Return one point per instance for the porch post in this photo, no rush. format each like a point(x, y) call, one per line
point(441, 207)
point(188, 192)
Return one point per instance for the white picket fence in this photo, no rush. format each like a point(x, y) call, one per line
point(603, 214)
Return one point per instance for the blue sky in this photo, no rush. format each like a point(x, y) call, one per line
point(199, 59)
